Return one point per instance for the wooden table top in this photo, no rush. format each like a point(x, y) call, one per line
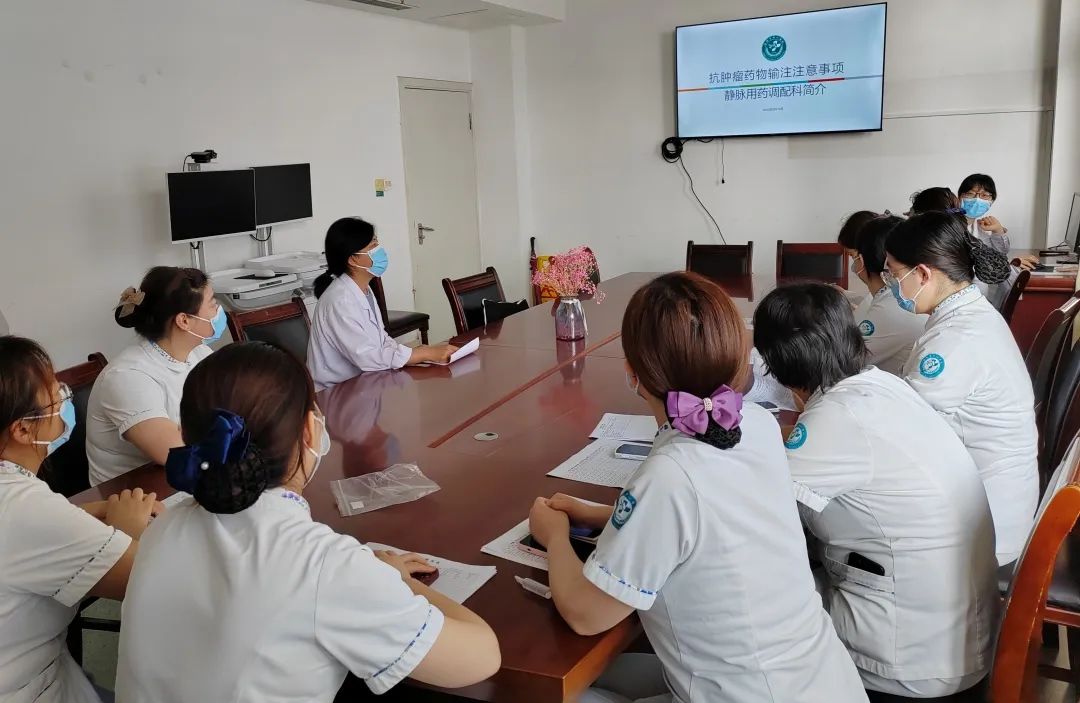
point(543, 398)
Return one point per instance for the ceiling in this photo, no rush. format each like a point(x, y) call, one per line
point(459, 14)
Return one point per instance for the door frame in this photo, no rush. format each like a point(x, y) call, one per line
point(412, 83)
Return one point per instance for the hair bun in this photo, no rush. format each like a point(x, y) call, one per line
point(990, 265)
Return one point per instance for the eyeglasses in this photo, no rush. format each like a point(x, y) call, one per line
point(65, 395)
point(890, 280)
point(977, 193)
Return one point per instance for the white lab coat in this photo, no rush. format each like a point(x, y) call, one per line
point(878, 472)
point(889, 331)
point(967, 367)
point(348, 336)
point(140, 384)
point(51, 554)
point(262, 605)
point(706, 544)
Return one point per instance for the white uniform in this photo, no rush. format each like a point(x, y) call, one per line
point(51, 554)
point(889, 331)
point(263, 605)
point(967, 366)
point(706, 544)
point(348, 337)
point(879, 473)
point(142, 383)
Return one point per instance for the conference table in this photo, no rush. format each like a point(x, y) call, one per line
point(541, 398)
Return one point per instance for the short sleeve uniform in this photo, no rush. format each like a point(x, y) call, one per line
point(51, 554)
point(348, 337)
point(889, 331)
point(264, 605)
point(706, 544)
point(968, 368)
point(879, 473)
point(142, 383)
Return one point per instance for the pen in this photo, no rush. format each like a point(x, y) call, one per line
point(534, 587)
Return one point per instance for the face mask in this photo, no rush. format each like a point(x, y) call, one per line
point(218, 324)
point(324, 449)
point(633, 388)
point(905, 304)
point(855, 268)
point(975, 207)
point(379, 261)
point(67, 414)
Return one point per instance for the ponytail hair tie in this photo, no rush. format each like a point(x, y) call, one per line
point(129, 300)
point(690, 414)
point(227, 441)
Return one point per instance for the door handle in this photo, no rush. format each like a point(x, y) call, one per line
point(420, 229)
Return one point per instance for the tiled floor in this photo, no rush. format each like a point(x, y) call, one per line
point(99, 657)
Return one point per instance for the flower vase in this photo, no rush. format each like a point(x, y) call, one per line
point(570, 320)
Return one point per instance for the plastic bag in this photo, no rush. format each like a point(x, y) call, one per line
point(401, 483)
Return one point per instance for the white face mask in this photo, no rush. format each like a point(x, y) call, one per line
point(324, 449)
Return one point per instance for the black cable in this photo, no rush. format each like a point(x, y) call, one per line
point(269, 233)
point(696, 197)
point(723, 162)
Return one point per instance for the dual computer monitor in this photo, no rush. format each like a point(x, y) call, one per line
point(205, 204)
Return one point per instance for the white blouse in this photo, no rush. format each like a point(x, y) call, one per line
point(142, 383)
point(51, 554)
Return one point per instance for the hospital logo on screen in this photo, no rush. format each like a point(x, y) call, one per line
point(774, 48)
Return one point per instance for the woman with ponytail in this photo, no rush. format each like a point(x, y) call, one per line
point(705, 529)
point(347, 333)
point(967, 366)
point(892, 498)
point(252, 600)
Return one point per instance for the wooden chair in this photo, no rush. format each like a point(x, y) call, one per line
point(1008, 306)
point(826, 262)
point(1046, 351)
point(466, 296)
point(1031, 600)
point(720, 261)
point(399, 322)
point(285, 325)
point(67, 470)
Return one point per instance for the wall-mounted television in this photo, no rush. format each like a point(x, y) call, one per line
point(205, 204)
point(282, 193)
point(804, 73)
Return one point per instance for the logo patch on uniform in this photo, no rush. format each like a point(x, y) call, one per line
point(624, 507)
point(866, 328)
point(931, 365)
point(797, 438)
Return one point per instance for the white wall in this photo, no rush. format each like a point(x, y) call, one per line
point(1065, 166)
point(600, 102)
point(101, 99)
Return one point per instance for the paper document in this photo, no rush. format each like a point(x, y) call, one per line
point(505, 546)
point(456, 581)
point(597, 464)
point(766, 388)
point(629, 428)
point(468, 348)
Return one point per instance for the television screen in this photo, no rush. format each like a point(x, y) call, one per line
point(205, 204)
point(282, 193)
point(810, 72)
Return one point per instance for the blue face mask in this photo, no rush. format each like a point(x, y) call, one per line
point(906, 304)
point(67, 414)
point(975, 207)
point(379, 261)
point(218, 325)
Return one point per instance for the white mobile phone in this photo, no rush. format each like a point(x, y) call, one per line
point(636, 452)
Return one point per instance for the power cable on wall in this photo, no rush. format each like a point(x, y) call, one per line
point(672, 152)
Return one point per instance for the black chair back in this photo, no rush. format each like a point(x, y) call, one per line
point(825, 262)
point(284, 325)
point(1063, 388)
point(720, 261)
point(467, 295)
point(67, 470)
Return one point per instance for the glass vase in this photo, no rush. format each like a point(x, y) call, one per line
point(570, 320)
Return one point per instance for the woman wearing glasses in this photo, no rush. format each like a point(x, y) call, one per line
point(52, 553)
point(967, 366)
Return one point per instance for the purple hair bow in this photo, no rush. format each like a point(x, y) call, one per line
point(227, 440)
point(690, 414)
